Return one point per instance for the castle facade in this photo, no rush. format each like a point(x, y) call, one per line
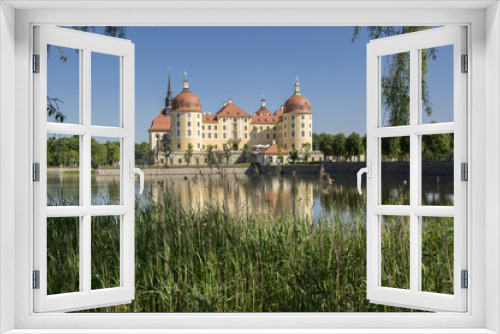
point(183, 125)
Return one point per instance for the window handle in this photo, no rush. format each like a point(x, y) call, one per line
point(368, 171)
point(134, 171)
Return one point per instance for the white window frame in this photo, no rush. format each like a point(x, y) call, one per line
point(86, 44)
point(483, 250)
point(413, 44)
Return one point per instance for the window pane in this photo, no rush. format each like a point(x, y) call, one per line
point(437, 85)
point(395, 89)
point(63, 265)
point(105, 247)
point(395, 243)
point(437, 170)
point(106, 171)
point(105, 90)
point(63, 85)
point(63, 170)
point(437, 254)
point(395, 170)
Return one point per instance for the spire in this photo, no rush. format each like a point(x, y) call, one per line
point(262, 102)
point(186, 82)
point(297, 86)
point(169, 98)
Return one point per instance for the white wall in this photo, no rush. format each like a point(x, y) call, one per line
point(7, 186)
point(492, 165)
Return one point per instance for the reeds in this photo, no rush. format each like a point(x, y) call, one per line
point(210, 261)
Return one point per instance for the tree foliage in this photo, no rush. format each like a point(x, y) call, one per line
point(396, 76)
point(353, 145)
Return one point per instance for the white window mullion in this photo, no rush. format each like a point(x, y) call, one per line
point(86, 172)
point(414, 169)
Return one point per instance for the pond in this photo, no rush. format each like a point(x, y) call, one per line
point(240, 195)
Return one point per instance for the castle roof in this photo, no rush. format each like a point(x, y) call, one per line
point(209, 119)
point(161, 122)
point(232, 110)
point(273, 150)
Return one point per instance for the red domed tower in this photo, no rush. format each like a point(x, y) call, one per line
point(297, 121)
point(186, 120)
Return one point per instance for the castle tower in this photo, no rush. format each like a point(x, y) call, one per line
point(296, 130)
point(186, 120)
point(168, 98)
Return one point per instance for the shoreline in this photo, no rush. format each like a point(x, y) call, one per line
point(429, 168)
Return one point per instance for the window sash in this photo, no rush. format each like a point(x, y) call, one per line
point(413, 43)
point(86, 297)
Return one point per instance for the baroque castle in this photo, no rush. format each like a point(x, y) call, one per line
point(183, 122)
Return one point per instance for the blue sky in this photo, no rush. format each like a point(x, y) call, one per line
point(241, 63)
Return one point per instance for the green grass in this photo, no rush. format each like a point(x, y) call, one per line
point(212, 262)
point(77, 171)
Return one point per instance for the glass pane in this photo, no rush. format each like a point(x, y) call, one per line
point(395, 170)
point(437, 85)
point(437, 170)
point(63, 170)
point(63, 265)
point(63, 85)
point(105, 90)
point(395, 243)
point(437, 254)
point(106, 171)
point(105, 247)
point(395, 89)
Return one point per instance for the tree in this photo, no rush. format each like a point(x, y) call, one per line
point(227, 153)
point(246, 152)
point(316, 139)
point(168, 152)
point(112, 152)
point(307, 153)
point(353, 145)
point(338, 145)
point(293, 155)
point(396, 78)
point(189, 153)
point(326, 145)
point(98, 153)
point(280, 154)
point(435, 146)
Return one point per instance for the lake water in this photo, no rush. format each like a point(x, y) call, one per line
point(269, 196)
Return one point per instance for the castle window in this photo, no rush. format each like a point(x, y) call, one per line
point(189, 133)
point(224, 128)
point(178, 133)
point(293, 117)
point(209, 135)
point(215, 135)
point(189, 114)
point(254, 128)
point(215, 127)
point(302, 108)
point(189, 105)
point(293, 146)
point(310, 134)
point(302, 116)
point(310, 126)
point(180, 159)
point(274, 136)
point(215, 146)
point(203, 135)
point(246, 128)
point(198, 124)
point(261, 136)
point(203, 127)
point(198, 133)
point(198, 145)
point(189, 124)
point(302, 125)
point(210, 127)
point(224, 135)
point(293, 108)
point(178, 145)
point(302, 134)
point(267, 136)
point(254, 136)
point(246, 135)
point(293, 134)
point(261, 128)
